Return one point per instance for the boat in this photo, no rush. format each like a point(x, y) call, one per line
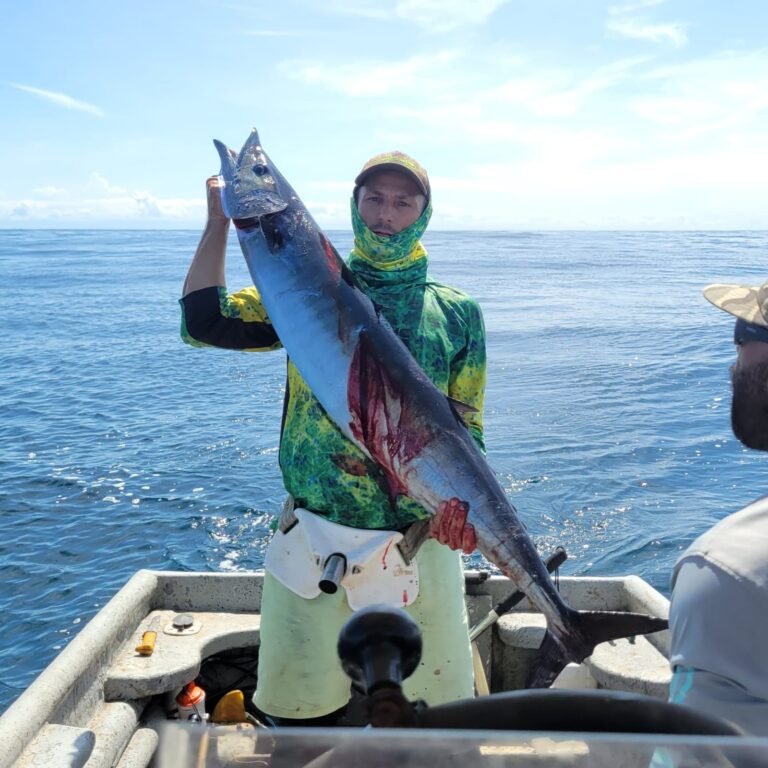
point(109, 697)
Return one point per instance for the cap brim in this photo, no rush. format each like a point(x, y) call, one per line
point(741, 301)
point(397, 168)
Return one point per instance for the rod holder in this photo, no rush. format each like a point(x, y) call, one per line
point(333, 572)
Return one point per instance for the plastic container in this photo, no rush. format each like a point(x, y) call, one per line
point(191, 702)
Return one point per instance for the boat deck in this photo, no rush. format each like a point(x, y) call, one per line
point(90, 702)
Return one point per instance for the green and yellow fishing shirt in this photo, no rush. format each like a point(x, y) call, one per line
point(441, 326)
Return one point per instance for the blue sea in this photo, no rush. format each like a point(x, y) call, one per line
point(121, 448)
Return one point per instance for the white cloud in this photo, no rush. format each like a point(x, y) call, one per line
point(709, 95)
point(367, 9)
point(95, 201)
point(60, 99)
point(50, 191)
point(568, 148)
point(699, 190)
point(475, 124)
point(330, 215)
point(677, 112)
point(731, 168)
point(20, 210)
point(372, 78)
point(445, 15)
point(432, 15)
point(673, 33)
point(530, 109)
point(452, 91)
point(147, 204)
point(540, 110)
point(509, 141)
point(632, 7)
point(95, 211)
point(629, 22)
point(96, 181)
point(556, 93)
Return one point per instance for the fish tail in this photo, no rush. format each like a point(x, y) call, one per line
point(585, 630)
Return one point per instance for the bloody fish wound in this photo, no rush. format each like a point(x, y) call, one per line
point(371, 387)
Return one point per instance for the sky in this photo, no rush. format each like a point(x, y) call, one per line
point(528, 114)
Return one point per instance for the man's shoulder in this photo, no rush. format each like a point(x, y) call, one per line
point(750, 519)
point(738, 544)
point(453, 295)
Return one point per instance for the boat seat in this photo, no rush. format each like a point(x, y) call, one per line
point(521, 629)
point(178, 654)
point(614, 665)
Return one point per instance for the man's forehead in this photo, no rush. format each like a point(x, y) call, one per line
point(400, 183)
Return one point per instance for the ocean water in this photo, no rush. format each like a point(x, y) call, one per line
point(607, 416)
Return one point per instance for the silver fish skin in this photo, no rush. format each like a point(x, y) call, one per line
point(371, 387)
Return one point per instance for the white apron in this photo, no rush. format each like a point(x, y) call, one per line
point(375, 569)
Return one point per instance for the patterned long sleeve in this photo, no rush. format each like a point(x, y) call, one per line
point(468, 372)
point(211, 317)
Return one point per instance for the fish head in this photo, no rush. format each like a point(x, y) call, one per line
point(251, 187)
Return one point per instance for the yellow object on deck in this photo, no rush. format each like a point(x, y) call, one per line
point(230, 708)
point(146, 646)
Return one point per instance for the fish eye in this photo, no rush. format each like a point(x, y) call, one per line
point(260, 169)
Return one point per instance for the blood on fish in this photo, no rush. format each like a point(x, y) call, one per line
point(330, 254)
point(381, 420)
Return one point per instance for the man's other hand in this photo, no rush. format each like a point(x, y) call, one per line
point(450, 527)
point(213, 187)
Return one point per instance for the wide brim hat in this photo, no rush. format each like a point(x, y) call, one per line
point(399, 162)
point(747, 302)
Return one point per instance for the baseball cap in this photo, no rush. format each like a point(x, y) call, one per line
point(395, 161)
point(746, 302)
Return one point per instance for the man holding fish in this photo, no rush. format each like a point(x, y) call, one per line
point(343, 495)
point(397, 364)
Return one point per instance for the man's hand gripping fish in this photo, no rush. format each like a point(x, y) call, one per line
point(378, 396)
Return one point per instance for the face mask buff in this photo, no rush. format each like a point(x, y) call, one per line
point(393, 252)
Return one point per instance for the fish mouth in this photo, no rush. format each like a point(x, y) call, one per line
point(255, 204)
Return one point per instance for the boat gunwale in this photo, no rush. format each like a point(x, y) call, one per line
point(74, 680)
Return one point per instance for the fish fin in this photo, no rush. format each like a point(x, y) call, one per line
point(228, 162)
point(228, 173)
point(462, 410)
point(253, 140)
point(586, 629)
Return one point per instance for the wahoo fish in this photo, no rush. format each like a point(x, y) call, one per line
point(371, 387)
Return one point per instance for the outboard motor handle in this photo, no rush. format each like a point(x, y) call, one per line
point(379, 646)
point(333, 572)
